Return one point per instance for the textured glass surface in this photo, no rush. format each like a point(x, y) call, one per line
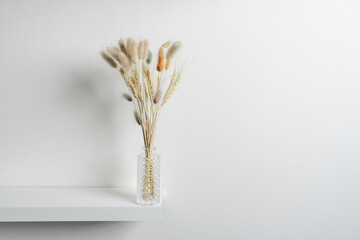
point(148, 179)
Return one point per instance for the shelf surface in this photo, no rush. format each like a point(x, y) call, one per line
point(58, 204)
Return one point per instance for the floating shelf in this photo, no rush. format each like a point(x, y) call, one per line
point(58, 204)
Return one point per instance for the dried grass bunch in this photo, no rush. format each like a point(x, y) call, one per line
point(150, 83)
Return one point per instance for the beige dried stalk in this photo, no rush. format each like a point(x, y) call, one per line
point(128, 82)
point(146, 92)
point(158, 83)
point(137, 80)
point(172, 87)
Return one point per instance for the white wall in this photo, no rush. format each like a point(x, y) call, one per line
point(260, 142)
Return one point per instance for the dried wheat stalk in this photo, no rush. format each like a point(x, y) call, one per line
point(148, 77)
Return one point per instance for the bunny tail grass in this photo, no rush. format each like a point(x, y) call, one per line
point(172, 50)
point(132, 50)
point(114, 52)
point(124, 60)
point(141, 49)
point(108, 59)
point(123, 47)
point(146, 50)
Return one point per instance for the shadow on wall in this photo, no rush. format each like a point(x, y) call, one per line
point(67, 230)
point(96, 98)
point(93, 90)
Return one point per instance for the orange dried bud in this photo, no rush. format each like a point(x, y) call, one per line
point(165, 45)
point(160, 65)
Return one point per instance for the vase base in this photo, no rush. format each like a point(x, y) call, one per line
point(143, 202)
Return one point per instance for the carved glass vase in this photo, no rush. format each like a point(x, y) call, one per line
point(148, 177)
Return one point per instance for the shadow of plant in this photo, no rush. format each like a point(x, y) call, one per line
point(99, 94)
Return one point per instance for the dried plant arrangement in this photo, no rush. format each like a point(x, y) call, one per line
point(150, 83)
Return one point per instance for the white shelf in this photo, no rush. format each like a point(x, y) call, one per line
point(49, 204)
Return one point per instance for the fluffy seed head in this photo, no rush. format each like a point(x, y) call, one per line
point(124, 60)
point(146, 49)
point(128, 43)
point(108, 59)
point(133, 51)
point(141, 49)
point(114, 52)
point(172, 50)
point(122, 46)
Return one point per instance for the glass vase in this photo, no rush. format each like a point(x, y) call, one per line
point(148, 177)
